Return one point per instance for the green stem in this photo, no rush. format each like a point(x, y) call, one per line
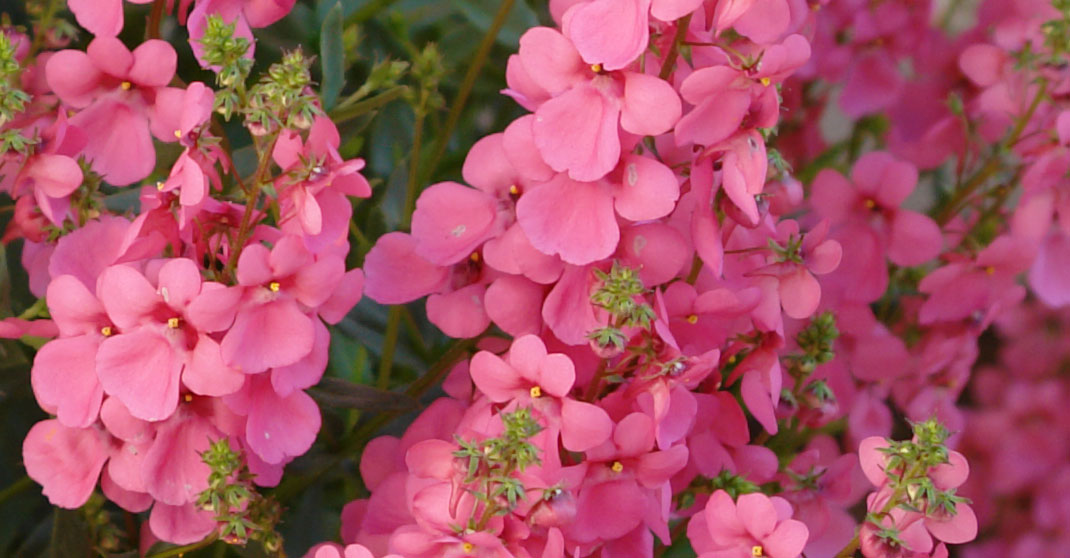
point(15, 488)
point(670, 59)
point(390, 341)
point(350, 109)
point(478, 60)
point(35, 310)
point(849, 550)
point(993, 164)
point(152, 28)
point(245, 229)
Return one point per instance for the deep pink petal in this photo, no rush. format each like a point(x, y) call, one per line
point(451, 221)
point(648, 189)
point(459, 314)
point(915, 239)
point(551, 59)
point(609, 32)
point(99, 17)
point(268, 335)
point(787, 540)
point(800, 293)
point(757, 514)
point(64, 379)
point(120, 145)
point(142, 370)
point(206, 374)
point(494, 377)
point(127, 295)
point(154, 63)
point(281, 427)
point(173, 471)
point(583, 425)
point(72, 76)
point(394, 274)
point(656, 468)
point(513, 304)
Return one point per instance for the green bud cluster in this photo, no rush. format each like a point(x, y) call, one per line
point(620, 294)
point(243, 514)
point(226, 55)
point(283, 98)
point(1057, 32)
point(908, 469)
point(428, 71)
point(731, 483)
point(493, 462)
point(12, 99)
point(816, 341)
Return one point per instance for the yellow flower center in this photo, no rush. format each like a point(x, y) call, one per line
point(468, 547)
point(536, 391)
point(159, 185)
point(188, 397)
point(617, 467)
point(765, 81)
point(514, 190)
point(106, 331)
point(178, 133)
point(596, 68)
point(870, 204)
point(732, 359)
point(692, 319)
point(274, 286)
point(757, 551)
point(126, 85)
point(172, 323)
point(990, 270)
point(474, 256)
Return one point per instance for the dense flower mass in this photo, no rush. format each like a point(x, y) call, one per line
point(728, 250)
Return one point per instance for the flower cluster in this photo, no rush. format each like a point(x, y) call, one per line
point(689, 304)
point(200, 319)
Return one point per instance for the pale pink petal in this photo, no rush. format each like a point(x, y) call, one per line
point(127, 295)
point(787, 540)
point(279, 427)
point(609, 32)
point(958, 529)
point(451, 221)
point(64, 379)
point(800, 293)
point(551, 59)
point(72, 76)
point(268, 335)
point(110, 56)
point(648, 189)
point(120, 145)
point(185, 524)
point(99, 17)
point(206, 374)
point(757, 514)
point(56, 176)
point(651, 105)
point(765, 21)
point(569, 218)
point(142, 370)
point(179, 282)
point(154, 63)
point(873, 460)
point(394, 274)
point(494, 377)
point(513, 304)
point(671, 10)
point(459, 314)
point(577, 132)
point(65, 461)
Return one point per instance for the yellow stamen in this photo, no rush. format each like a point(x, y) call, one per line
point(172, 323)
point(474, 257)
point(159, 185)
point(990, 270)
point(468, 547)
point(732, 359)
point(178, 134)
point(106, 331)
point(757, 551)
point(126, 85)
point(692, 319)
point(188, 397)
point(765, 81)
point(870, 204)
point(536, 391)
point(596, 68)
point(617, 467)
point(514, 190)
point(274, 286)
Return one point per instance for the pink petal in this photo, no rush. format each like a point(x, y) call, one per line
point(656, 468)
point(648, 189)
point(722, 519)
point(120, 145)
point(185, 524)
point(314, 283)
point(133, 502)
point(494, 377)
point(281, 427)
point(651, 105)
point(658, 250)
point(75, 310)
point(572, 219)
point(958, 529)
point(56, 176)
point(671, 10)
point(757, 514)
point(833, 196)
point(214, 308)
point(154, 63)
point(124, 426)
point(765, 21)
point(551, 59)
point(64, 379)
point(513, 304)
point(952, 474)
point(254, 267)
point(715, 119)
point(800, 293)
point(787, 540)
point(179, 282)
point(583, 425)
point(609, 32)
point(110, 56)
point(127, 295)
point(173, 471)
point(394, 274)
point(306, 372)
point(65, 461)
point(459, 314)
point(72, 76)
point(344, 297)
point(872, 84)
point(1048, 275)
point(915, 239)
point(451, 221)
point(825, 257)
point(268, 335)
point(487, 167)
point(577, 132)
point(756, 396)
point(431, 459)
point(634, 435)
point(873, 460)
point(983, 63)
point(206, 374)
point(262, 13)
point(142, 370)
point(99, 17)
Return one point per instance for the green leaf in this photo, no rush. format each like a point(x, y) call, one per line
point(332, 56)
point(481, 13)
point(336, 392)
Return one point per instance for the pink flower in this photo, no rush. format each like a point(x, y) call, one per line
point(65, 461)
point(753, 525)
point(580, 109)
point(101, 17)
point(244, 14)
point(114, 89)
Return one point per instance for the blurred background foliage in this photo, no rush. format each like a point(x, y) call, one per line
point(412, 84)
